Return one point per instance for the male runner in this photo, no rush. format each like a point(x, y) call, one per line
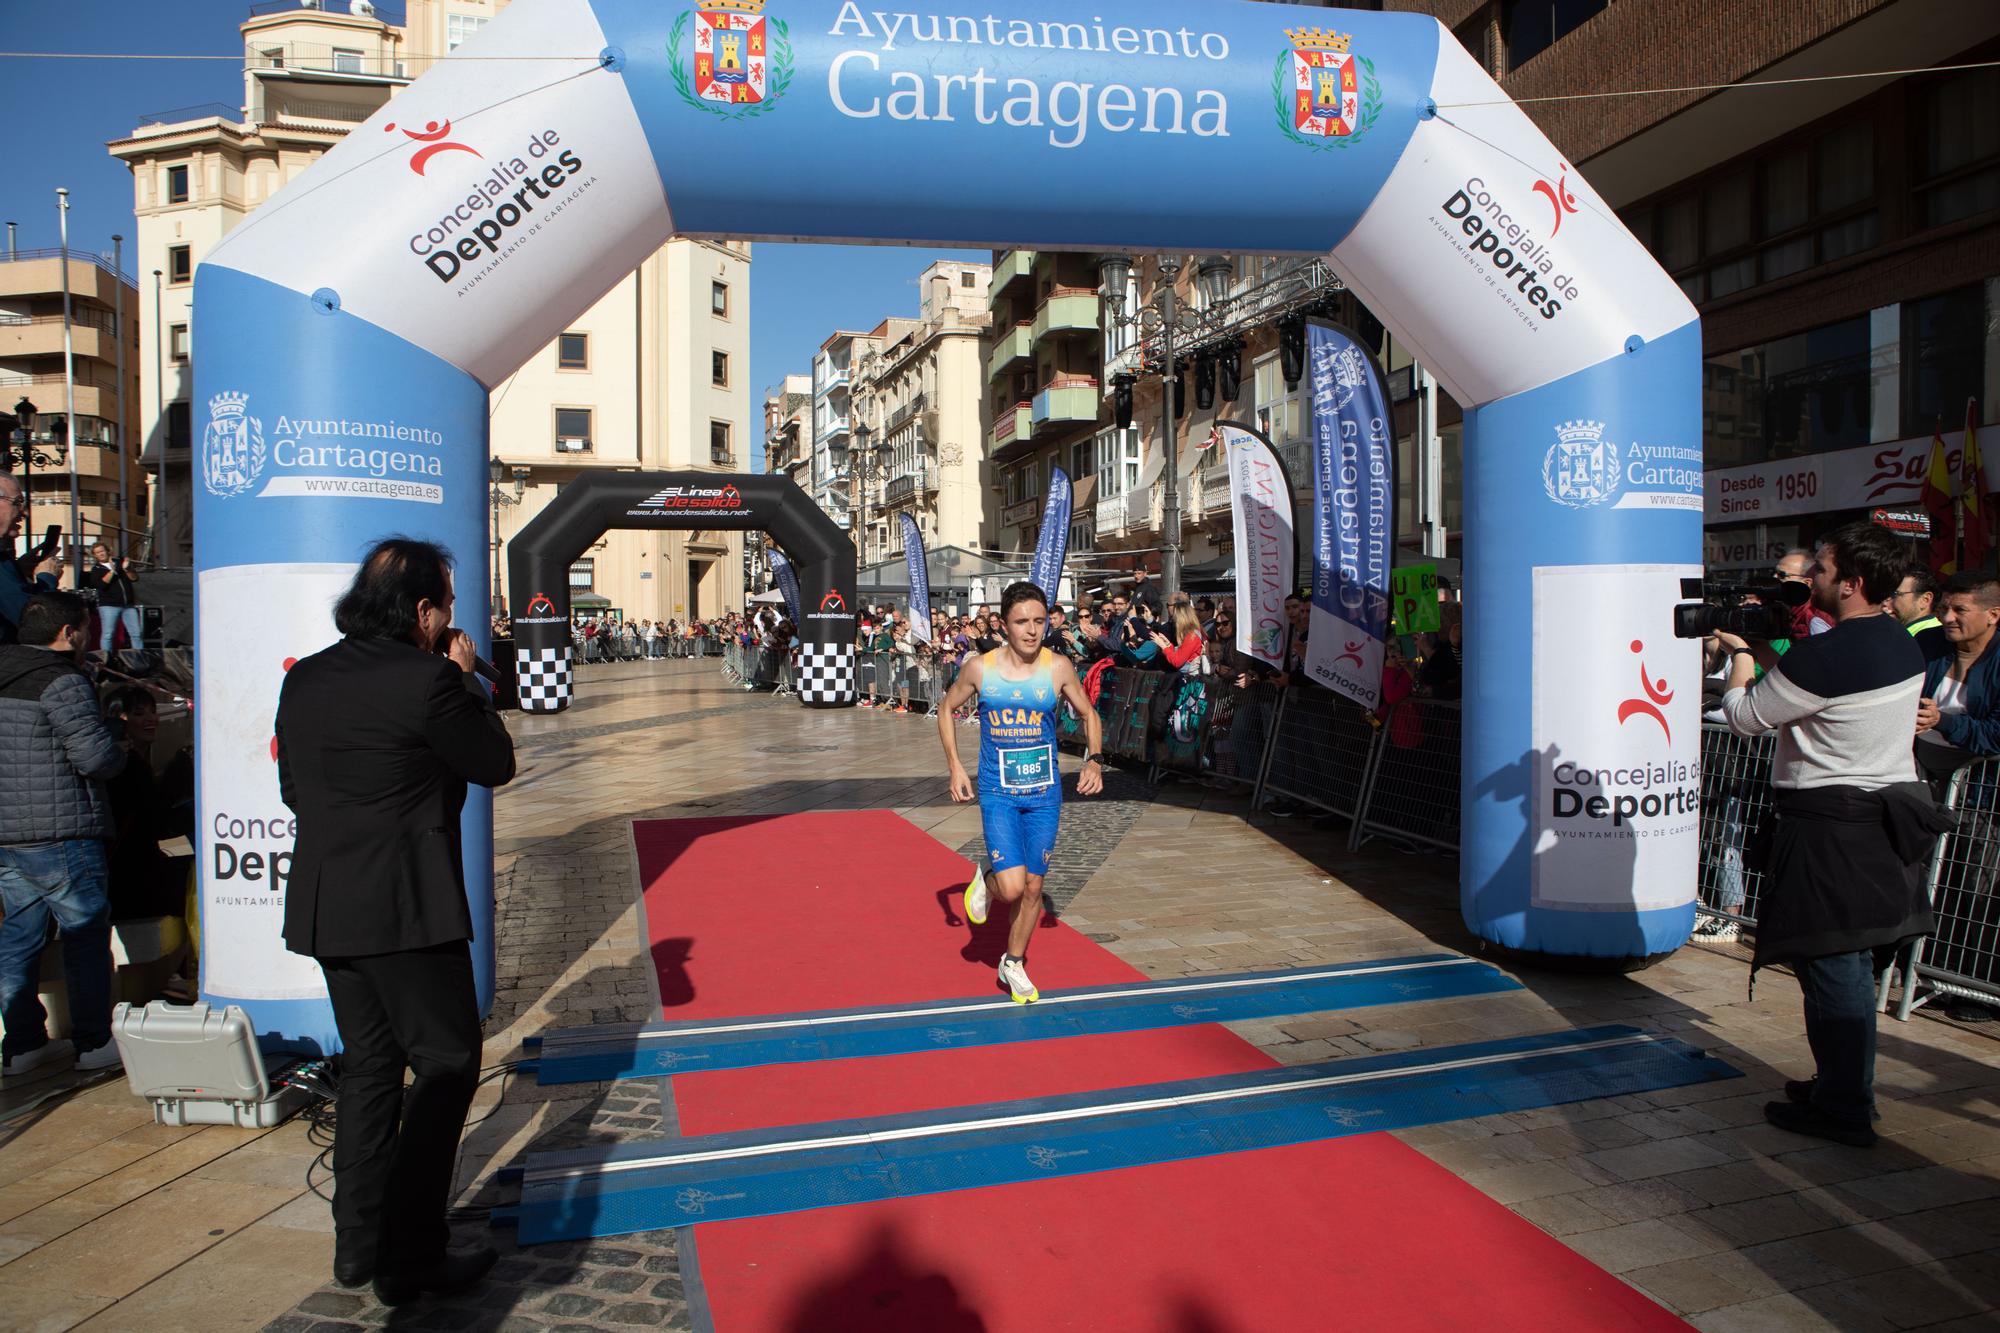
point(1020, 788)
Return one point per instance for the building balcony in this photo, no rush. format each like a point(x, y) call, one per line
point(835, 428)
point(836, 378)
point(1009, 349)
point(905, 412)
point(1012, 424)
point(1068, 310)
point(91, 335)
point(1018, 265)
point(1065, 404)
point(917, 481)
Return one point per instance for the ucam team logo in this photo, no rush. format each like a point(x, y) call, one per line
point(1325, 95)
point(1580, 469)
point(742, 60)
point(232, 448)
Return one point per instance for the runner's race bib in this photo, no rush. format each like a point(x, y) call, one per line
point(1028, 770)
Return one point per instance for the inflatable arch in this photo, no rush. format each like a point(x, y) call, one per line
point(539, 557)
point(351, 327)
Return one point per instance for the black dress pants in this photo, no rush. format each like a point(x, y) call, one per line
point(394, 1150)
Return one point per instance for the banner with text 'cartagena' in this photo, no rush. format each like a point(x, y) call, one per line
point(920, 579)
point(1354, 491)
point(1053, 545)
point(788, 584)
point(1260, 504)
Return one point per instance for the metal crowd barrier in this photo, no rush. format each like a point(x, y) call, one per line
point(1735, 796)
point(1200, 748)
point(1126, 706)
point(1962, 958)
point(1318, 751)
point(1410, 793)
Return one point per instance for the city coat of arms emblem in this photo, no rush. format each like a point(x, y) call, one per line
point(737, 62)
point(1326, 94)
point(232, 446)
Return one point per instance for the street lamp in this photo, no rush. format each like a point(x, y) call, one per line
point(1212, 274)
point(498, 497)
point(21, 452)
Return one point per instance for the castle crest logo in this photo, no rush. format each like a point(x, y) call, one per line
point(232, 447)
point(738, 61)
point(1326, 95)
point(1580, 469)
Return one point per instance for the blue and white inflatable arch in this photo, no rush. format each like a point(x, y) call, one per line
point(351, 328)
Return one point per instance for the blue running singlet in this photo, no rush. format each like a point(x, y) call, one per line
point(1020, 788)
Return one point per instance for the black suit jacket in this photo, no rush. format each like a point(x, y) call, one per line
point(376, 741)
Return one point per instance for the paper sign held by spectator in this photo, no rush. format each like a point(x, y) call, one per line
point(1413, 596)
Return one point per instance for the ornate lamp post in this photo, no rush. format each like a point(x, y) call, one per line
point(21, 452)
point(498, 497)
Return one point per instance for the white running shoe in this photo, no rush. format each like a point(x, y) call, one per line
point(104, 1057)
point(1014, 974)
point(48, 1053)
point(976, 900)
point(1717, 930)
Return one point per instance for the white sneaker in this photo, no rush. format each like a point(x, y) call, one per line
point(976, 899)
point(48, 1053)
point(104, 1057)
point(1014, 974)
point(1717, 930)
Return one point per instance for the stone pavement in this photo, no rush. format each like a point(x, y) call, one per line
point(110, 1222)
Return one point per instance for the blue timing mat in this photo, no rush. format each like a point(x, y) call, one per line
point(589, 1055)
point(631, 1187)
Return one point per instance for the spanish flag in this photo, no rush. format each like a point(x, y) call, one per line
point(1977, 534)
point(1943, 511)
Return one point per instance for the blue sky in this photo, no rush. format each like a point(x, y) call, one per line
point(798, 293)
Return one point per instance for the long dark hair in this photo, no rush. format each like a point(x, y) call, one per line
point(396, 574)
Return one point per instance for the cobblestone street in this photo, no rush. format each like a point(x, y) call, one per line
point(1686, 1194)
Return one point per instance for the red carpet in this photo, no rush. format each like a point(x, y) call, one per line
point(838, 909)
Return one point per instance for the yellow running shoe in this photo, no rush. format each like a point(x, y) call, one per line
point(975, 897)
point(1014, 973)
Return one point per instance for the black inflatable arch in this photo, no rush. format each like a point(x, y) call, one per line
point(539, 558)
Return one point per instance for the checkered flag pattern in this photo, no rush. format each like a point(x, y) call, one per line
point(827, 674)
point(542, 676)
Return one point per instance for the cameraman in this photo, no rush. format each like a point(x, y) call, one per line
point(1851, 824)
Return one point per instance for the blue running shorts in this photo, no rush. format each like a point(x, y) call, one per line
point(1021, 832)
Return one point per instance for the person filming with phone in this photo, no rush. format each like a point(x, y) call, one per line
point(378, 738)
point(40, 570)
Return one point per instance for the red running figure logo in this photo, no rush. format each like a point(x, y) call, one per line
point(434, 141)
point(1559, 197)
point(1656, 692)
point(1353, 653)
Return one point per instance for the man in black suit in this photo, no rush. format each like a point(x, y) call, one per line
point(377, 738)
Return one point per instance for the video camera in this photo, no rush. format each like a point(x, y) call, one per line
point(1763, 612)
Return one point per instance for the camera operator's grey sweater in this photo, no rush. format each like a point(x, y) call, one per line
point(1844, 705)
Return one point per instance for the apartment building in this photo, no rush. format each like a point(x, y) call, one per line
point(654, 375)
point(927, 385)
point(1044, 392)
point(844, 414)
point(36, 441)
point(788, 429)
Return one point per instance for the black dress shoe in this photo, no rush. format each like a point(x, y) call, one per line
point(455, 1271)
point(353, 1259)
point(1809, 1120)
point(1800, 1090)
